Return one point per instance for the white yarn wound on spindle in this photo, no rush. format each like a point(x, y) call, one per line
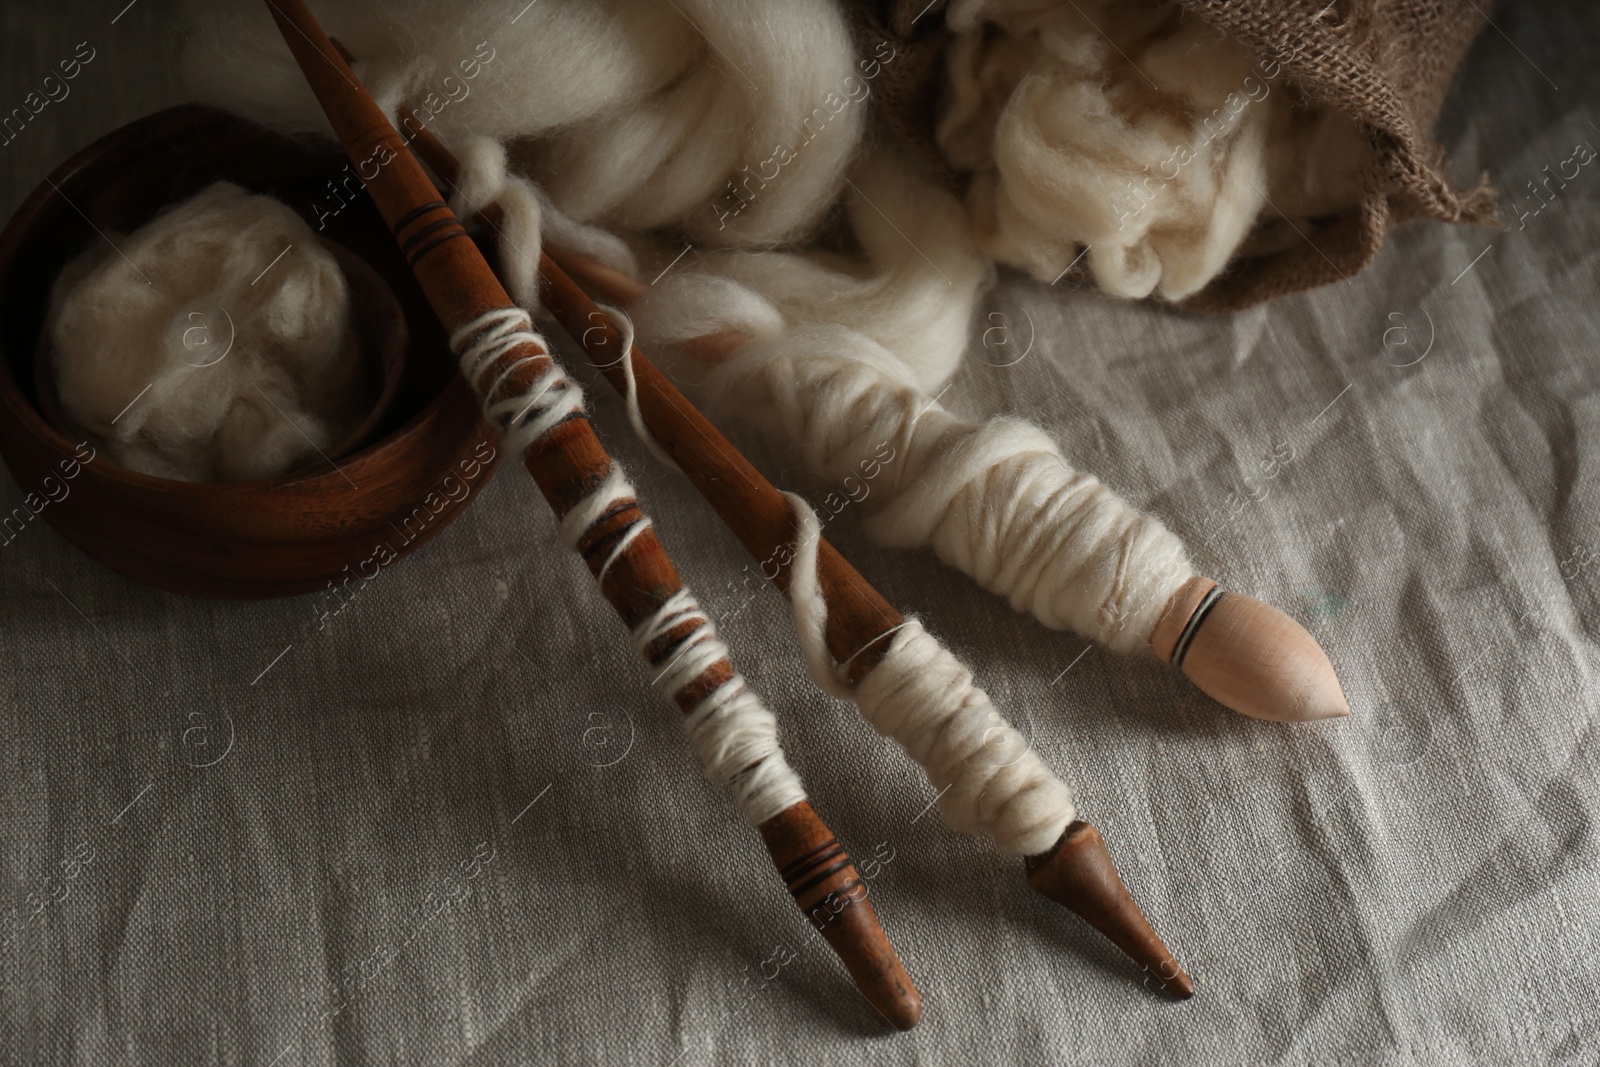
point(921, 696)
point(482, 180)
point(732, 731)
point(641, 117)
point(550, 399)
point(613, 490)
point(997, 499)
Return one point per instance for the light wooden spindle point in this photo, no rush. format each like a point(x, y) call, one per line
point(1247, 655)
point(1078, 873)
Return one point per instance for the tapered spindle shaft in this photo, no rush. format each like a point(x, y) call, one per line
point(569, 465)
point(1077, 871)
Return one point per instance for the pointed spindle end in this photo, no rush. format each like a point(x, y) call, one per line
point(1247, 655)
point(824, 883)
point(1079, 874)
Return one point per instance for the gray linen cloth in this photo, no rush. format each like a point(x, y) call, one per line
point(457, 826)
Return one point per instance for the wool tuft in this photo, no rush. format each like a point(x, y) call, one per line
point(1130, 133)
point(214, 344)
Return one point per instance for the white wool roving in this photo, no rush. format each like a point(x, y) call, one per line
point(913, 290)
point(730, 127)
point(732, 120)
point(1128, 129)
point(990, 780)
point(996, 500)
point(218, 346)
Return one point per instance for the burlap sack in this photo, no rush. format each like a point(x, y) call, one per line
point(1386, 65)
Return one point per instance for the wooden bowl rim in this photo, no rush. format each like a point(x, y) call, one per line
point(392, 348)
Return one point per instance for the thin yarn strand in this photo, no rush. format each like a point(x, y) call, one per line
point(731, 729)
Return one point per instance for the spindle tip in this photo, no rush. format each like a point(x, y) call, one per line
point(1247, 655)
point(824, 883)
point(1079, 874)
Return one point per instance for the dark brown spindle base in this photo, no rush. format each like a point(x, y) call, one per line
point(1079, 874)
point(823, 880)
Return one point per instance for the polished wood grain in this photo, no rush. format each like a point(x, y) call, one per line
point(1079, 873)
point(306, 531)
point(860, 620)
point(567, 463)
point(824, 883)
point(1247, 655)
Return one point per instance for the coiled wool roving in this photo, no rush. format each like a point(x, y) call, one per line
point(733, 126)
point(633, 113)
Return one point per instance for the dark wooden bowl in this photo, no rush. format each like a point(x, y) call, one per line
point(293, 534)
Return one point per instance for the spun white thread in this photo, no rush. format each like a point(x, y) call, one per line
point(732, 731)
point(630, 398)
point(610, 492)
point(527, 416)
point(920, 695)
point(806, 600)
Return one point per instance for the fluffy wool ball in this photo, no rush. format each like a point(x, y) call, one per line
point(1129, 134)
point(213, 344)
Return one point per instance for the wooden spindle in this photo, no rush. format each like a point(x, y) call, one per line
point(1254, 659)
point(568, 463)
point(1247, 655)
point(1077, 871)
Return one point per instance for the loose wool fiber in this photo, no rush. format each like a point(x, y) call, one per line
point(1132, 133)
point(631, 113)
point(217, 346)
point(701, 145)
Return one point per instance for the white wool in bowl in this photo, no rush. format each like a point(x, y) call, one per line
point(214, 344)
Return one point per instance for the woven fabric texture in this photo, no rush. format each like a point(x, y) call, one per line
point(455, 826)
